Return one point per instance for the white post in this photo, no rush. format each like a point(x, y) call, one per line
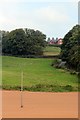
point(21, 89)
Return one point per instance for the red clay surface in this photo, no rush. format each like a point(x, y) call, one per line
point(39, 105)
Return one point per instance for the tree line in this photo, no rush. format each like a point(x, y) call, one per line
point(23, 42)
point(70, 49)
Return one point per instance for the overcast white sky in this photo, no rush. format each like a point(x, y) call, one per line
point(54, 19)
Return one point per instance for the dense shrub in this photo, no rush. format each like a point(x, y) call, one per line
point(23, 42)
point(70, 49)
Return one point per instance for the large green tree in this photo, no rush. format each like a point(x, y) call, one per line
point(70, 49)
point(24, 42)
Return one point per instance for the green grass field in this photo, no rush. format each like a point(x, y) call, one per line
point(39, 75)
point(51, 50)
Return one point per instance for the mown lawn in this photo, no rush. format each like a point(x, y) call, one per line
point(39, 75)
point(51, 50)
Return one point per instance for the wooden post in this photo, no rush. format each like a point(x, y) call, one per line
point(21, 89)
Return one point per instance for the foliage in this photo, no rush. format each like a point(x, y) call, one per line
point(70, 49)
point(43, 88)
point(23, 42)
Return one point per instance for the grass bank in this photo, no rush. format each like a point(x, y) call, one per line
point(39, 75)
point(51, 51)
